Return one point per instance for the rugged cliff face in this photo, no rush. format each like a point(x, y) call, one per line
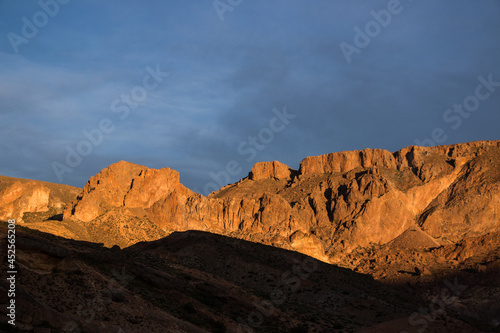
point(333, 204)
point(26, 200)
point(137, 190)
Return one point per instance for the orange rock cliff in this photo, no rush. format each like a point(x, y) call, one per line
point(333, 204)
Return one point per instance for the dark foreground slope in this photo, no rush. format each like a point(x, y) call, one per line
point(194, 282)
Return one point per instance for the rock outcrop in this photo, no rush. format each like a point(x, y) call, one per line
point(347, 160)
point(469, 207)
point(25, 200)
point(141, 191)
point(271, 170)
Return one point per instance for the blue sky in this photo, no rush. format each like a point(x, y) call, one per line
point(226, 76)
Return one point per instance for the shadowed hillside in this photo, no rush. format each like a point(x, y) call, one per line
point(193, 282)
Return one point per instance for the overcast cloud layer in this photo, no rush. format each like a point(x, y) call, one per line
point(297, 76)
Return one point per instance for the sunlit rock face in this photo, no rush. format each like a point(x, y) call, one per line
point(333, 204)
point(20, 196)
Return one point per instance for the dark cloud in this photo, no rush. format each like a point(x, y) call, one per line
point(227, 77)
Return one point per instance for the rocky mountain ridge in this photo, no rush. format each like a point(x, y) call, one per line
point(333, 203)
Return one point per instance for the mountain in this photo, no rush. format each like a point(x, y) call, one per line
point(417, 220)
point(332, 205)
